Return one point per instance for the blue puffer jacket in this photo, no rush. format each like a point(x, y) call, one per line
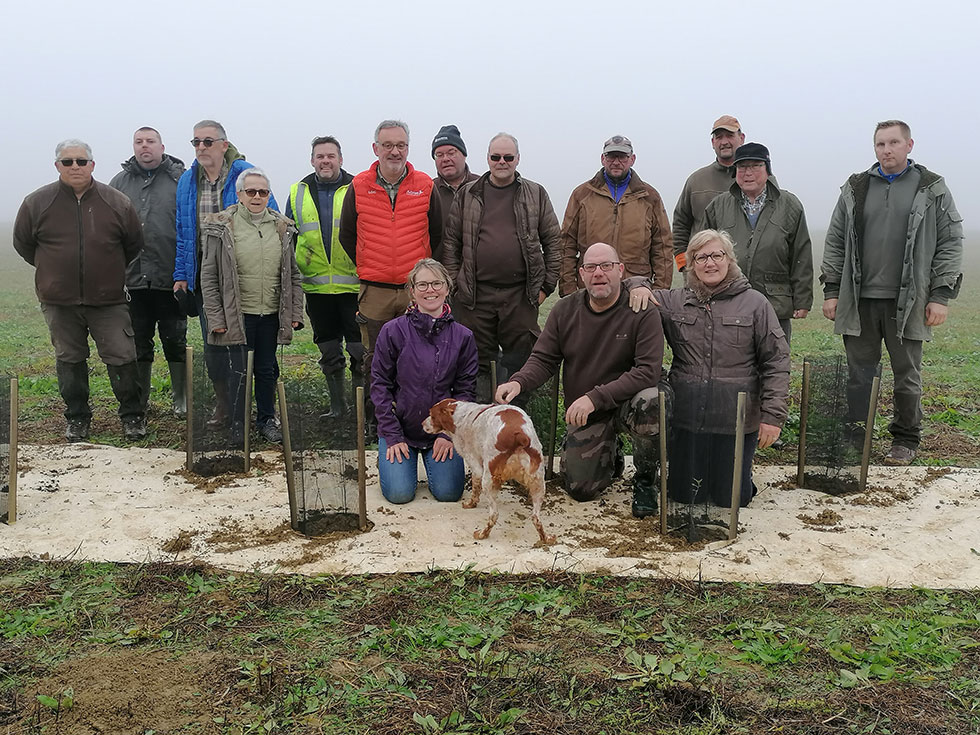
point(418, 361)
point(185, 265)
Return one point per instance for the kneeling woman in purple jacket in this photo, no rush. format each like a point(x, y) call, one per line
point(421, 358)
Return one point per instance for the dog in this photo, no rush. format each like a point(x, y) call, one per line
point(497, 443)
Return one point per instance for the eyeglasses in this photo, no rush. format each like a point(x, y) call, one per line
point(67, 162)
point(260, 192)
point(426, 285)
point(749, 165)
point(506, 156)
point(208, 142)
point(604, 267)
point(388, 146)
point(716, 257)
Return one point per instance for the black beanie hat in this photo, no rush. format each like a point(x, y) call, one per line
point(752, 152)
point(448, 135)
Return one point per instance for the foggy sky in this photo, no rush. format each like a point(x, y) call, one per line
point(807, 80)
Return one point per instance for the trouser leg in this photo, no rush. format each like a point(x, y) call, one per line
point(863, 360)
point(261, 333)
point(125, 382)
point(787, 326)
point(376, 306)
point(906, 360)
point(144, 323)
point(144, 374)
point(216, 358)
point(588, 459)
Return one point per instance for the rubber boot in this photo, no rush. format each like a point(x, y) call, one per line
point(646, 459)
point(73, 386)
point(222, 406)
point(125, 382)
point(338, 407)
point(144, 373)
point(178, 387)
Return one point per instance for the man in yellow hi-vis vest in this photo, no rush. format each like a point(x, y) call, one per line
point(329, 277)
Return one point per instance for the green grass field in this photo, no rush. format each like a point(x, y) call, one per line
point(151, 649)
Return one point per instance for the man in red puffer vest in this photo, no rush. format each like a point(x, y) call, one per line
point(391, 218)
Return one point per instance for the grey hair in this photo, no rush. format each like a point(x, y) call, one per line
point(433, 265)
point(254, 171)
point(212, 124)
point(703, 238)
point(72, 143)
point(498, 136)
point(385, 124)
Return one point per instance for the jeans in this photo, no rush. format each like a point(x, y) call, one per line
point(399, 479)
point(261, 334)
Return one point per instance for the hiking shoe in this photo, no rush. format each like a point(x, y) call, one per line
point(900, 456)
point(271, 432)
point(644, 504)
point(134, 428)
point(77, 430)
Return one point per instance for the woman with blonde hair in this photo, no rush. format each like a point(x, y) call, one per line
point(726, 339)
point(421, 358)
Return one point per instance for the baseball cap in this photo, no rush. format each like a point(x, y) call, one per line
point(618, 144)
point(726, 122)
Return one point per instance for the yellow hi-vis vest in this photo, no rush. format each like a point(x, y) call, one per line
point(336, 274)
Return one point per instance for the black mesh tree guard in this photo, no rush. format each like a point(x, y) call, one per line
point(8, 449)
point(219, 415)
point(324, 454)
point(836, 427)
point(707, 473)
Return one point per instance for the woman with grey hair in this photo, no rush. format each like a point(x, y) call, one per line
point(421, 358)
point(726, 339)
point(252, 291)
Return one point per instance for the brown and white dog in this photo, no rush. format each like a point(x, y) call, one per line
point(497, 443)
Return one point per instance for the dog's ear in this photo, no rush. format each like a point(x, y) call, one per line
point(442, 415)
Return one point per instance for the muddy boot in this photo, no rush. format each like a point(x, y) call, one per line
point(222, 408)
point(144, 375)
point(125, 382)
point(73, 386)
point(647, 462)
point(178, 387)
point(338, 407)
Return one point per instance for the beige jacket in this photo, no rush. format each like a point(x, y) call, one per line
point(219, 280)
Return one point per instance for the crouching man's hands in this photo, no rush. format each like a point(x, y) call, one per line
point(507, 392)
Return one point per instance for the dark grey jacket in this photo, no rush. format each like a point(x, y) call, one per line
point(537, 231)
point(155, 200)
point(731, 343)
point(776, 256)
point(933, 255)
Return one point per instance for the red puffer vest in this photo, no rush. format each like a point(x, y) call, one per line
point(391, 241)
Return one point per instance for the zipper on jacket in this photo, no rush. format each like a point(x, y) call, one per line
point(81, 253)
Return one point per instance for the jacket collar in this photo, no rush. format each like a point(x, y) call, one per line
point(634, 186)
point(425, 324)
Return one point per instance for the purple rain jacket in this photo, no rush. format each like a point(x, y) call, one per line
point(418, 361)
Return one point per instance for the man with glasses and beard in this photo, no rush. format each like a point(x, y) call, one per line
point(206, 188)
point(80, 235)
point(612, 358)
point(617, 207)
point(502, 251)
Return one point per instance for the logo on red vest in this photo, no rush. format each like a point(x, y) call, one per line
point(414, 193)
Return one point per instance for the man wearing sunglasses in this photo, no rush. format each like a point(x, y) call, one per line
point(612, 360)
point(391, 218)
point(616, 206)
point(206, 188)
point(80, 235)
point(149, 178)
point(502, 250)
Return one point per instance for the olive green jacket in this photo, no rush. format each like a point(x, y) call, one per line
point(933, 254)
point(776, 256)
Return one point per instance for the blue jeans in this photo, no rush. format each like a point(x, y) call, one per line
point(399, 479)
